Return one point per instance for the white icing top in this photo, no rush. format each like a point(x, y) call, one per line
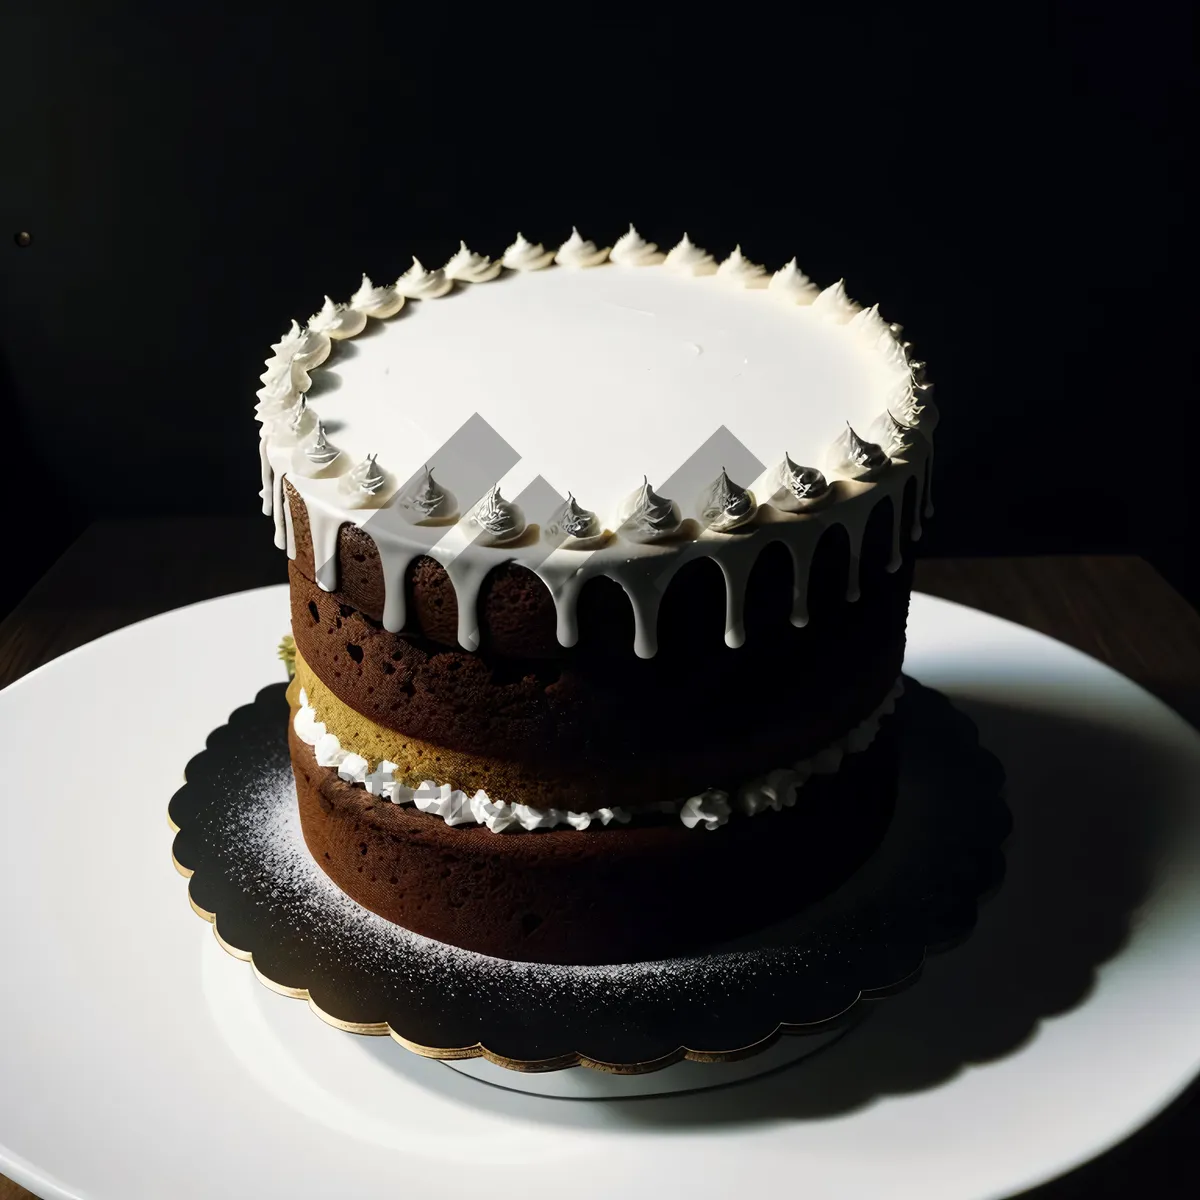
point(590, 381)
point(598, 377)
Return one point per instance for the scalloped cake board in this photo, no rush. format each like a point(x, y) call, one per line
point(597, 1084)
point(679, 1077)
point(251, 876)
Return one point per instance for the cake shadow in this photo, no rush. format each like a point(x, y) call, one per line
point(1093, 807)
point(324, 382)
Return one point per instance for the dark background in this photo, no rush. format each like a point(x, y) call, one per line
point(1006, 182)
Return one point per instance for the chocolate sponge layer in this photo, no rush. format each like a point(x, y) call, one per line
point(618, 894)
point(592, 726)
point(578, 723)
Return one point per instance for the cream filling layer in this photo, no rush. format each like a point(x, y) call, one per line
point(710, 809)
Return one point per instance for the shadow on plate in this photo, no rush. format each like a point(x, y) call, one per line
point(1093, 807)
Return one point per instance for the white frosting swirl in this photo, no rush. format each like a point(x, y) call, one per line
point(575, 527)
point(285, 348)
point(912, 405)
point(902, 402)
point(498, 521)
point(317, 457)
point(426, 502)
point(496, 816)
point(328, 751)
point(792, 286)
point(689, 259)
point(337, 320)
point(365, 485)
point(927, 411)
point(381, 781)
point(869, 325)
point(894, 437)
point(308, 729)
point(855, 458)
point(710, 809)
point(893, 354)
point(419, 284)
point(353, 768)
point(576, 252)
point(527, 256)
point(470, 267)
point(283, 383)
point(441, 800)
point(645, 516)
point(296, 423)
point(312, 349)
point(726, 506)
point(279, 372)
point(834, 304)
point(632, 250)
point(739, 271)
point(800, 488)
point(377, 302)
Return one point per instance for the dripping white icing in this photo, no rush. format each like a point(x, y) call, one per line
point(644, 577)
point(565, 568)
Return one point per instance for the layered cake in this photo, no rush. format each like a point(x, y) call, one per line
point(600, 566)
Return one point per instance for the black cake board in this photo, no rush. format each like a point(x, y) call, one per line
point(238, 841)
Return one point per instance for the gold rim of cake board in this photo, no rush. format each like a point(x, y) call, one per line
point(532, 1066)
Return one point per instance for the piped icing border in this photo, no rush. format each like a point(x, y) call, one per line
point(648, 538)
point(709, 809)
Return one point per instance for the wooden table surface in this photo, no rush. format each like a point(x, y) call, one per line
point(1117, 609)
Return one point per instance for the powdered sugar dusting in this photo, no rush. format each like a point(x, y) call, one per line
point(273, 862)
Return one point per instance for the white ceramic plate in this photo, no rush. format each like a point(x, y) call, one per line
point(137, 1059)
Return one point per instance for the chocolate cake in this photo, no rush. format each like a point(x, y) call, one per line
point(599, 568)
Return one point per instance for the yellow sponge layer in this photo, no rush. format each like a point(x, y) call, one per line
point(415, 760)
